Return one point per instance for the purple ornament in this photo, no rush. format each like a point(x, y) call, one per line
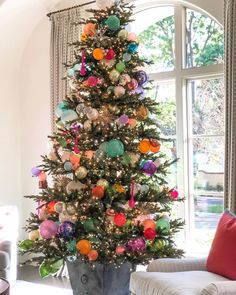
point(141, 77)
point(48, 229)
point(67, 229)
point(149, 167)
point(35, 171)
point(136, 244)
point(124, 119)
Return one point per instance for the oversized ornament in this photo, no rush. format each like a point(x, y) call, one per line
point(35, 171)
point(132, 48)
point(141, 77)
point(136, 244)
point(142, 113)
point(144, 146)
point(103, 4)
point(113, 22)
point(92, 255)
point(124, 79)
point(115, 148)
point(98, 192)
point(119, 91)
point(163, 226)
point(149, 223)
point(74, 186)
point(154, 146)
point(149, 234)
point(92, 81)
point(114, 75)
point(123, 34)
point(132, 37)
point(110, 54)
point(67, 229)
point(34, 235)
point(149, 168)
point(68, 166)
point(120, 66)
point(120, 250)
point(124, 119)
point(119, 219)
point(98, 54)
point(69, 115)
point(70, 209)
point(59, 207)
point(83, 247)
point(91, 113)
point(90, 29)
point(103, 182)
point(81, 172)
point(48, 229)
point(127, 57)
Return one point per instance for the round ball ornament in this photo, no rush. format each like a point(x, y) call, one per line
point(144, 188)
point(98, 192)
point(115, 148)
point(141, 77)
point(154, 146)
point(120, 66)
point(132, 37)
point(70, 209)
point(67, 229)
point(81, 172)
point(87, 125)
point(163, 226)
point(69, 115)
point(48, 229)
point(35, 171)
point(59, 207)
point(74, 186)
point(132, 48)
point(174, 194)
point(120, 250)
point(34, 235)
point(68, 166)
point(144, 146)
point(113, 22)
point(149, 223)
point(149, 168)
point(103, 182)
point(119, 91)
point(133, 84)
point(51, 207)
point(110, 54)
point(83, 247)
point(149, 234)
point(124, 79)
point(136, 244)
point(114, 75)
point(91, 113)
point(90, 29)
point(123, 34)
point(127, 57)
point(132, 123)
point(92, 81)
point(124, 119)
point(92, 255)
point(119, 219)
point(98, 54)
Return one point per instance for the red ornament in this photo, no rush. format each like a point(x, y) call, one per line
point(98, 192)
point(110, 54)
point(119, 219)
point(92, 81)
point(174, 194)
point(50, 207)
point(150, 234)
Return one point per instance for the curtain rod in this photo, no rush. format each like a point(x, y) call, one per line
point(65, 9)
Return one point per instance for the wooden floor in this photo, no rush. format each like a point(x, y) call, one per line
point(30, 274)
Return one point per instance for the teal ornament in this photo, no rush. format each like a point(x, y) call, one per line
point(77, 67)
point(61, 108)
point(103, 146)
point(163, 226)
point(132, 48)
point(70, 72)
point(68, 166)
point(126, 57)
point(69, 115)
point(113, 22)
point(120, 66)
point(71, 246)
point(115, 148)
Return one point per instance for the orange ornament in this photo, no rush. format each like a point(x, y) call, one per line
point(132, 123)
point(83, 247)
point(98, 192)
point(50, 207)
point(154, 146)
point(149, 223)
point(142, 113)
point(119, 188)
point(75, 160)
point(144, 146)
point(93, 255)
point(98, 54)
point(90, 29)
point(89, 154)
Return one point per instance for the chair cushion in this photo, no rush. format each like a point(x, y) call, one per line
point(222, 256)
point(175, 283)
point(4, 260)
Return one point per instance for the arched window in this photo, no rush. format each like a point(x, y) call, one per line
point(186, 48)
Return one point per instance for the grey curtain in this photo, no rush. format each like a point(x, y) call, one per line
point(230, 104)
point(63, 32)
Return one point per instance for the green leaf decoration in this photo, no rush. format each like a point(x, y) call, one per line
point(26, 245)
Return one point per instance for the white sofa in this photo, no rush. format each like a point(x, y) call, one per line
point(180, 277)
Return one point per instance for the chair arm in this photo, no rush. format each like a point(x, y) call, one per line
point(220, 288)
point(175, 265)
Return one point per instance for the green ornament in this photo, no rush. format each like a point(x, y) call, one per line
point(89, 225)
point(120, 66)
point(123, 34)
point(71, 246)
point(50, 267)
point(159, 245)
point(26, 245)
point(115, 148)
point(113, 22)
point(163, 226)
point(62, 142)
point(126, 159)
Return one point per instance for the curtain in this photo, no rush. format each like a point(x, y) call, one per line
point(230, 104)
point(63, 32)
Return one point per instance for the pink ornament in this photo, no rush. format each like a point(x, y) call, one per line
point(110, 54)
point(133, 84)
point(131, 201)
point(124, 119)
point(92, 81)
point(120, 250)
point(174, 194)
point(119, 91)
point(132, 36)
point(82, 70)
point(48, 229)
point(42, 176)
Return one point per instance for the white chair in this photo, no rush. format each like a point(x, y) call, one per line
point(180, 277)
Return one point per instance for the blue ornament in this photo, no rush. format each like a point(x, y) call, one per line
point(149, 167)
point(70, 72)
point(67, 229)
point(132, 47)
point(141, 77)
point(115, 148)
point(126, 57)
point(68, 166)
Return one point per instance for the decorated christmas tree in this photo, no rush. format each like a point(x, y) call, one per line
point(109, 201)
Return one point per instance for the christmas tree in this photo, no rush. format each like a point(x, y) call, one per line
point(109, 201)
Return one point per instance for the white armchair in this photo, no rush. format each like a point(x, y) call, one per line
point(180, 277)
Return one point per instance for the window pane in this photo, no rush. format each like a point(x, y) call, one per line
point(155, 29)
point(204, 40)
point(207, 98)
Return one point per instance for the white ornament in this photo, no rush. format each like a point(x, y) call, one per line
point(73, 186)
